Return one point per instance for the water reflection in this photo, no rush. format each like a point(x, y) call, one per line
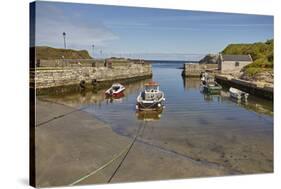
point(191, 83)
point(210, 97)
point(115, 99)
point(253, 103)
point(97, 97)
point(149, 115)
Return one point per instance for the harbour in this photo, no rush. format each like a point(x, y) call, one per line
point(195, 135)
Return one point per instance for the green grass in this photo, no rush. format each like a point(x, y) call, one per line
point(49, 53)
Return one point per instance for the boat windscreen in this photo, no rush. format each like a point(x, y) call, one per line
point(115, 88)
point(151, 88)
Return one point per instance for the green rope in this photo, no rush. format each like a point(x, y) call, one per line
point(124, 151)
point(102, 167)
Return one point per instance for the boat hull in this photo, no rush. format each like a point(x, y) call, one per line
point(238, 95)
point(212, 90)
point(115, 95)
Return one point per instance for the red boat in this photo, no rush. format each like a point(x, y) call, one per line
point(116, 91)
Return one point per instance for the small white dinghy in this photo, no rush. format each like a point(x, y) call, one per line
point(115, 90)
point(238, 94)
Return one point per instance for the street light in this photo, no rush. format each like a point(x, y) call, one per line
point(93, 46)
point(64, 34)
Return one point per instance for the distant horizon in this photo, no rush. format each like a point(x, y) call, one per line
point(147, 33)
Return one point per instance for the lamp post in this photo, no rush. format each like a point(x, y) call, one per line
point(64, 34)
point(93, 47)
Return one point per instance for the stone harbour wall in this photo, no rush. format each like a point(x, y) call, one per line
point(252, 88)
point(67, 76)
point(192, 70)
point(195, 69)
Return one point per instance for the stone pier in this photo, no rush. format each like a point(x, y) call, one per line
point(86, 76)
point(255, 89)
point(195, 69)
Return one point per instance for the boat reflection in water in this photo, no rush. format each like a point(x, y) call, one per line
point(115, 99)
point(149, 115)
point(218, 97)
point(253, 103)
point(211, 97)
point(84, 98)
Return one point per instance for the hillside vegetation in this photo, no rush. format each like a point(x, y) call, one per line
point(262, 55)
point(49, 53)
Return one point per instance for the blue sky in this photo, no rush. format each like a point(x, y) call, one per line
point(145, 32)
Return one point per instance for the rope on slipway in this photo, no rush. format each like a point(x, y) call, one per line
point(125, 151)
point(130, 147)
point(59, 116)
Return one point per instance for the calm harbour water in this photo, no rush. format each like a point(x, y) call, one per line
point(210, 128)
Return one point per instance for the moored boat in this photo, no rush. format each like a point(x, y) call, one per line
point(151, 98)
point(116, 90)
point(212, 87)
point(238, 94)
point(209, 85)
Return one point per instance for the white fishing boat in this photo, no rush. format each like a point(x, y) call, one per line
point(238, 94)
point(151, 98)
point(204, 77)
point(116, 90)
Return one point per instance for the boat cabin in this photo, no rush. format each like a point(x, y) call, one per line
point(151, 91)
point(116, 86)
point(151, 87)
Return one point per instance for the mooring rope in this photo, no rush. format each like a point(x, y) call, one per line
point(125, 151)
point(132, 143)
point(59, 116)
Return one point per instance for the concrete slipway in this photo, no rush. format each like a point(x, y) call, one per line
point(74, 147)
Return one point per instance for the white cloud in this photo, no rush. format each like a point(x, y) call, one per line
point(51, 22)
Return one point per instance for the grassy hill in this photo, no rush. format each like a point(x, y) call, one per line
point(49, 53)
point(262, 54)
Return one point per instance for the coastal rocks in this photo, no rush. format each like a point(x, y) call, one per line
point(265, 77)
point(210, 59)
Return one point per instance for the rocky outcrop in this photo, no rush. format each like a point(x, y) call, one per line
point(265, 77)
point(210, 59)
